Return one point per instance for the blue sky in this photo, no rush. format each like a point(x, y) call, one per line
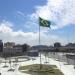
point(11, 10)
point(19, 21)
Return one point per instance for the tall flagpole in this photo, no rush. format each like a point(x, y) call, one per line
point(43, 24)
point(40, 44)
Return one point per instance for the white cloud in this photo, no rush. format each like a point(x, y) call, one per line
point(5, 27)
point(8, 34)
point(21, 14)
point(61, 12)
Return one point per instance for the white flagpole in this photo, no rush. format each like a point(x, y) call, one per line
point(40, 44)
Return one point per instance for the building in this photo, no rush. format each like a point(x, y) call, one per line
point(40, 48)
point(9, 45)
point(33, 53)
point(12, 49)
point(17, 49)
point(1, 46)
point(57, 45)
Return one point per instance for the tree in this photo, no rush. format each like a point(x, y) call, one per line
point(25, 47)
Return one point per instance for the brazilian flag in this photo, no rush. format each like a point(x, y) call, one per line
point(44, 23)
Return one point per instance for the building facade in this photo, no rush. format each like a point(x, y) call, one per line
point(1, 46)
point(12, 49)
point(9, 45)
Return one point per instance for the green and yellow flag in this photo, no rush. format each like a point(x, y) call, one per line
point(44, 23)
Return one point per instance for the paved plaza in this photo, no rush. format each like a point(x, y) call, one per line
point(67, 69)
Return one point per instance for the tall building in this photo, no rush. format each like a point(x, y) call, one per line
point(57, 44)
point(1, 46)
